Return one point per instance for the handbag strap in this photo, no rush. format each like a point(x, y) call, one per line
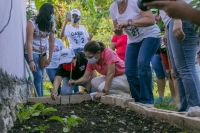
point(40, 44)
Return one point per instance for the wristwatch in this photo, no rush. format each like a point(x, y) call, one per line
point(130, 22)
point(105, 91)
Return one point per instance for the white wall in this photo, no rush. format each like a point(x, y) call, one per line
point(13, 37)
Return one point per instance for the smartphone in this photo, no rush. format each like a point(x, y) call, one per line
point(68, 15)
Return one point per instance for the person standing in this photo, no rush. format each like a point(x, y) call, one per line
point(38, 30)
point(77, 34)
point(143, 41)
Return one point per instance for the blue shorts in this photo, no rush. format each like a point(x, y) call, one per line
point(158, 66)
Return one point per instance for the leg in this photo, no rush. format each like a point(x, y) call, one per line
point(160, 74)
point(148, 48)
point(38, 75)
point(65, 89)
point(95, 82)
point(131, 69)
point(51, 72)
point(184, 60)
point(174, 90)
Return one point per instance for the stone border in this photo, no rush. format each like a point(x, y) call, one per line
point(178, 119)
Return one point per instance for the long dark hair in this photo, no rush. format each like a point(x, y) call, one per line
point(44, 16)
point(93, 47)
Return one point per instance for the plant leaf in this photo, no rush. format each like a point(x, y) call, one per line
point(65, 130)
point(57, 118)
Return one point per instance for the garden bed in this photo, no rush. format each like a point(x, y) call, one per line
point(98, 117)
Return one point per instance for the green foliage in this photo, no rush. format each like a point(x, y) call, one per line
point(25, 113)
point(196, 3)
point(68, 122)
point(47, 85)
point(44, 110)
point(41, 128)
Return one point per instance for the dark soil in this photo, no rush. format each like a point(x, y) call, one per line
point(98, 118)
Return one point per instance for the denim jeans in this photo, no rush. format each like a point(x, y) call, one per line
point(38, 75)
point(158, 66)
point(51, 72)
point(65, 89)
point(182, 54)
point(138, 70)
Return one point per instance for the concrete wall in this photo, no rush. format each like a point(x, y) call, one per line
point(13, 83)
point(13, 37)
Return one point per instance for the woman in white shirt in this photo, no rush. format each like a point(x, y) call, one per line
point(143, 42)
point(76, 33)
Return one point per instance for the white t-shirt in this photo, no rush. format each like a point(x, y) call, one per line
point(165, 18)
point(58, 46)
point(135, 34)
point(36, 38)
point(77, 37)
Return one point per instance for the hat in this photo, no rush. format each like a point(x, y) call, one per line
point(66, 55)
point(76, 11)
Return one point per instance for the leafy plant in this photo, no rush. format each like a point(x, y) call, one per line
point(196, 4)
point(41, 128)
point(68, 122)
point(25, 113)
point(44, 110)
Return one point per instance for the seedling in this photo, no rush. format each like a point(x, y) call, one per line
point(44, 111)
point(25, 113)
point(41, 128)
point(68, 122)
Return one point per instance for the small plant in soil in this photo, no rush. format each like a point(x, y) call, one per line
point(68, 122)
point(25, 113)
point(44, 110)
point(41, 129)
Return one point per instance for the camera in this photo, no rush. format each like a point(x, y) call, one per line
point(140, 4)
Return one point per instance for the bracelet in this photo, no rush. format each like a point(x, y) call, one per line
point(30, 61)
point(105, 91)
point(86, 90)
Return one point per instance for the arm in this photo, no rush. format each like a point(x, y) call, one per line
point(83, 79)
point(112, 45)
point(90, 36)
point(29, 41)
point(51, 46)
point(63, 29)
point(56, 84)
point(109, 76)
point(146, 20)
point(89, 86)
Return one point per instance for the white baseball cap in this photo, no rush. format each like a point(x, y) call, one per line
point(66, 55)
point(76, 11)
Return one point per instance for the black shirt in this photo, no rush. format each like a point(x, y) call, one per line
point(77, 72)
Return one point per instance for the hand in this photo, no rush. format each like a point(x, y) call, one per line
point(178, 31)
point(32, 66)
point(98, 95)
point(72, 82)
point(81, 92)
point(91, 35)
point(54, 94)
point(118, 32)
point(122, 25)
point(177, 9)
point(47, 62)
point(67, 20)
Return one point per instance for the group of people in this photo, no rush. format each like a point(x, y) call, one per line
point(125, 71)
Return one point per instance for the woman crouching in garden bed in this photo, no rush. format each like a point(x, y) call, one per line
point(109, 65)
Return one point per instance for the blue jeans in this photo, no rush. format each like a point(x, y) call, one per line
point(65, 89)
point(38, 75)
point(138, 70)
point(157, 66)
point(182, 55)
point(51, 72)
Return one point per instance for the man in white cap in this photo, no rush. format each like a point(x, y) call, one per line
point(70, 61)
point(76, 33)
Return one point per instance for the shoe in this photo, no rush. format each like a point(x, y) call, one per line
point(159, 100)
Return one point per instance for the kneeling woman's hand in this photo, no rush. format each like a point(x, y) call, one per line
point(54, 94)
point(98, 95)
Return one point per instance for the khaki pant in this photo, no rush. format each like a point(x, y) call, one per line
point(118, 86)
